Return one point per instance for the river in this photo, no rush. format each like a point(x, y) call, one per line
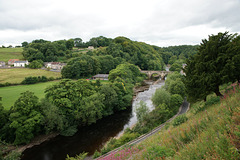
point(93, 137)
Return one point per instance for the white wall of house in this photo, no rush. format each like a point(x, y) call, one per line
point(20, 64)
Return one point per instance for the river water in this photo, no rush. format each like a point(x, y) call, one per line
point(93, 137)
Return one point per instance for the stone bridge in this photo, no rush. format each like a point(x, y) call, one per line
point(161, 74)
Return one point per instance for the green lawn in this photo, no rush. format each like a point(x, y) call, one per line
point(10, 53)
point(17, 75)
point(10, 94)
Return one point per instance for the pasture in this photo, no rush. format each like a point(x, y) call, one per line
point(17, 75)
point(10, 53)
point(11, 93)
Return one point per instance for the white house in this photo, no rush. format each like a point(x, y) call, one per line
point(100, 77)
point(90, 47)
point(20, 63)
point(55, 65)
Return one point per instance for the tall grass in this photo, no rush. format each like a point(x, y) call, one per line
point(210, 133)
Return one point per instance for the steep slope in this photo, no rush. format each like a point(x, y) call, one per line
point(212, 131)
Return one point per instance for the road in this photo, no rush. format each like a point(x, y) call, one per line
point(183, 109)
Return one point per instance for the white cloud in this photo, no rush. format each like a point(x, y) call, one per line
point(159, 22)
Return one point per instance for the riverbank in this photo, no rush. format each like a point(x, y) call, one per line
point(44, 138)
point(36, 141)
point(145, 86)
point(183, 109)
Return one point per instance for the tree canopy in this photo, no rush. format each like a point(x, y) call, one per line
point(215, 64)
point(79, 67)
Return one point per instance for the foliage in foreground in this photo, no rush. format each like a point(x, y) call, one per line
point(213, 133)
point(216, 63)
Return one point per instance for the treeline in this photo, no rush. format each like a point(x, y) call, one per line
point(104, 59)
point(108, 54)
point(68, 105)
point(172, 53)
point(30, 80)
point(45, 50)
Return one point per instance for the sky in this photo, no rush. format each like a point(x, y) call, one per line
point(157, 22)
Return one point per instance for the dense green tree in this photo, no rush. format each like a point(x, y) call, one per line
point(232, 68)
point(166, 56)
point(80, 67)
point(176, 66)
point(32, 54)
point(90, 110)
point(67, 96)
point(36, 64)
point(177, 87)
point(78, 42)
point(172, 59)
point(175, 102)
point(206, 71)
point(3, 115)
point(107, 63)
point(99, 41)
point(127, 72)
point(53, 119)
point(138, 53)
point(182, 51)
point(24, 44)
point(70, 44)
point(26, 117)
point(175, 76)
point(47, 51)
point(142, 111)
point(110, 99)
point(161, 96)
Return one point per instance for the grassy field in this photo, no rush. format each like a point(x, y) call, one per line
point(10, 94)
point(17, 75)
point(10, 53)
point(212, 131)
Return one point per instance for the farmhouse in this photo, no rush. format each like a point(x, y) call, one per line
point(55, 65)
point(90, 47)
point(20, 63)
point(11, 61)
point(101, 77)
point(2, 64)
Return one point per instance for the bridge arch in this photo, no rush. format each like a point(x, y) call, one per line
point(163, 74)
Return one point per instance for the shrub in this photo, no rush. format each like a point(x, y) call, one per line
point(176, 101)
point(30, 80)
point(161, 96)
point(179, 120)
point(212, 100)
point(157, 152)
point(209, 102)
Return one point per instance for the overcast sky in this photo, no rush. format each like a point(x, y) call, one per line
point(158, 22)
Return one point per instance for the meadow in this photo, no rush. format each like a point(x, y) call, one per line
point(212, 131)
point(11, 93)
point(10, 53)
point(17, 75)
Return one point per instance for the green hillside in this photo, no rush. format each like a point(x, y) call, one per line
point(212, 131)
point(10, 53)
